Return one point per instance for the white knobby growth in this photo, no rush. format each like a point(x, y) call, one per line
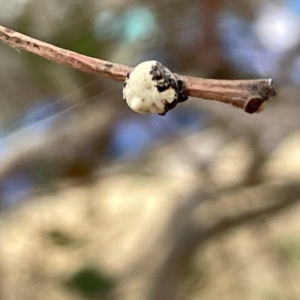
point(151, 88)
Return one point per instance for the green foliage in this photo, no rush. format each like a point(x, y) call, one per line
point(89, 282)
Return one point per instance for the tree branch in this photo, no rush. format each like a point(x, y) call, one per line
point(249, 95)
point(184, 236)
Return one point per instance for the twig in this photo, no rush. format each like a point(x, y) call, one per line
point(249, 95)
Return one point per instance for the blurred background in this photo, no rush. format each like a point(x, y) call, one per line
point(98, 202)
